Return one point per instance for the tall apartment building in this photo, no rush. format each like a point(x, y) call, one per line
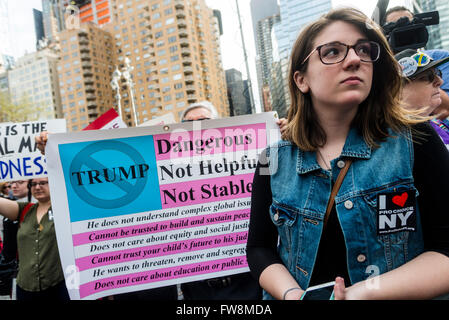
point(174, 48)
point(85, 69)
point(35, 78)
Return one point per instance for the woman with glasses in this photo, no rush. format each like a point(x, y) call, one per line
point(422, 81)
point(5, 187)
point(40, 275)
point(384, 234)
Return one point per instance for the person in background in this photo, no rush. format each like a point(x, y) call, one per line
point(345, 114)
point(442, 111)
point(240, 286)
point(421, 91)
point(40, 275)
point(5, 188)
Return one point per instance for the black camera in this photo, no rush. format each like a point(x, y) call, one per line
point(405, 34)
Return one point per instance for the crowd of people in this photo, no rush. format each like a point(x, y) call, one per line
point(359, 191)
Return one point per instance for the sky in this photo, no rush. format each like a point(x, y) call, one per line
point(23, 37)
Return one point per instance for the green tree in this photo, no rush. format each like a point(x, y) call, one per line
point(20, 111)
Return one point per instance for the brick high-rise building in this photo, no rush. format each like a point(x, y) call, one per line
point(173, 46)
point(85, 69)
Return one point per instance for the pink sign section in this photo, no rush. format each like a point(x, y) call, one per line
point(203, 191)
point(182, 271)
point(160, 250)
point(143, 229)
point(210, 141)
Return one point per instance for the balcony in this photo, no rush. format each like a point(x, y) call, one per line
point(180, 13)
point(185, 52)
point(183, 33)
point(190, 89)
point(182, 23)
point(184, 42)
point(90, 97)
point(188, 70)
point(188, 79)
point(191, 98)
point(89, 88)
point(179, 4)
point(86, 65)
point(85, 57)
point(187, 61)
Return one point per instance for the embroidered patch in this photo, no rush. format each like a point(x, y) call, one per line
point(396, 211)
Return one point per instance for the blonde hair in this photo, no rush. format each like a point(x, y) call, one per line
point(380, 111)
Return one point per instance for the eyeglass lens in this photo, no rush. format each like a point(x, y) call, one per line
point(335, 52)
point(42, 183)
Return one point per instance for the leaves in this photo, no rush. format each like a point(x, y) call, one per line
point(20, 111)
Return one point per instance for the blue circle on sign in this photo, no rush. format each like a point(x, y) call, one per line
point(100, 173)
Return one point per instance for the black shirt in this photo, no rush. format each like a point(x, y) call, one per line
point(431, 175)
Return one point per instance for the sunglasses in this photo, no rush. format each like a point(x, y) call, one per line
point(428, 76)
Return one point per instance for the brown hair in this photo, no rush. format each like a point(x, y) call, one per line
point(380, 111)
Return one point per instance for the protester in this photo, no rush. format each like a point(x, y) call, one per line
point(21, 193)
point(240, 286)
point(344, 86)
point(5, 188)
point(442, 111)
point(422, 81)
point(40, 275)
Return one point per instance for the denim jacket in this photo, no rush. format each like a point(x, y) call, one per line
point(301, 189)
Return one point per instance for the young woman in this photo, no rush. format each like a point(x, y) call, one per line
point(40, 275)
point(386, 235)
point(422, 82)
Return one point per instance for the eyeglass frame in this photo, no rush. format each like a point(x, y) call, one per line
point(348, 47)
point(190, 120)
point(40, 183)
point(20, 182)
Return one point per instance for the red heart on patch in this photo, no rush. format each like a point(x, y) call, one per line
point(400, 200)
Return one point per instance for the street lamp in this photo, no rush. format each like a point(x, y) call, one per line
point(115, 84)
point(129, 82)
point(116, 75)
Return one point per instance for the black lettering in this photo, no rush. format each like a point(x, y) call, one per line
point(163, 146)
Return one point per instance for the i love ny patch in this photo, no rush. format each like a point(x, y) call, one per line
point(396, 211)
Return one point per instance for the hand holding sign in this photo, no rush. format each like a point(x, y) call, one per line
point(41, 141)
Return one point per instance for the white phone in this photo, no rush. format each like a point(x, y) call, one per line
point(323, 291)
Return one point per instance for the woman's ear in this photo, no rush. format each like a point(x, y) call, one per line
point(301, 82)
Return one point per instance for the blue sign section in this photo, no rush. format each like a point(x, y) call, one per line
point(110, 177)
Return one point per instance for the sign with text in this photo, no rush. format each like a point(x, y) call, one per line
point(148, 207)
point(108, 120)
point(20, 159)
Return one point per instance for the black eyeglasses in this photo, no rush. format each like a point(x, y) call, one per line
point(41, 183)
point(429, 75)
point(188, 120)
point(18, 182)
point(336, 52)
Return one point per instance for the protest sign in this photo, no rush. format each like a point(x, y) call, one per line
point(148, 207)
point(108, 120)
point(167, 118)
point(20, 159)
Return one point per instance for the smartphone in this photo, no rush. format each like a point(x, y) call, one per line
point(323, 291)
